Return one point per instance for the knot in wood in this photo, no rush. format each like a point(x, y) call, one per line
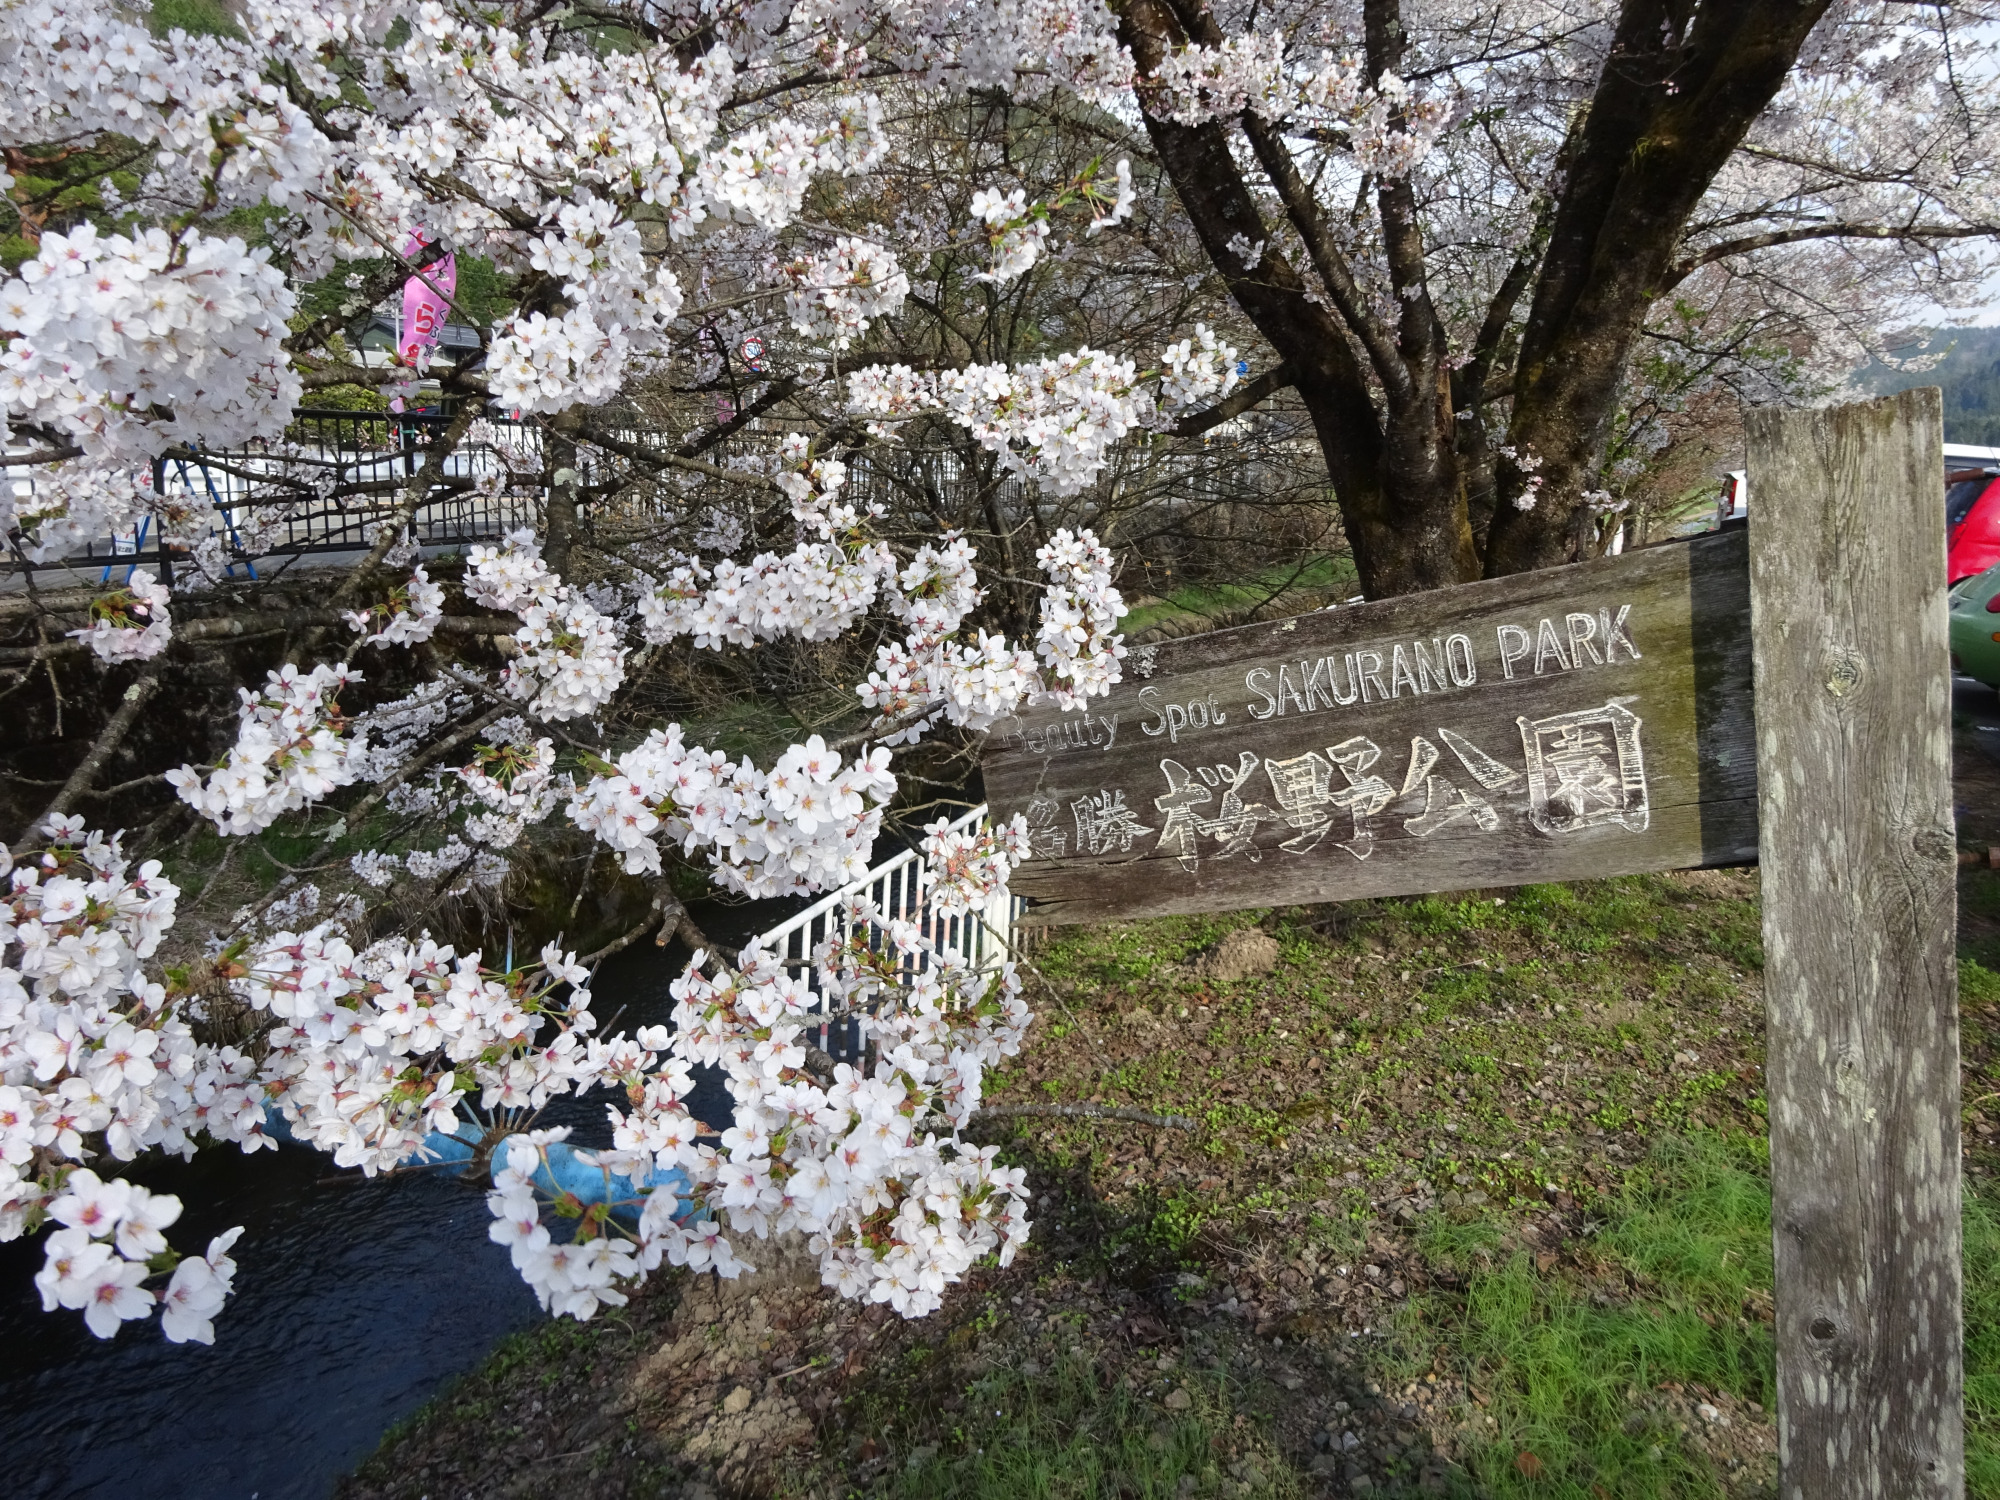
point(1843, 671)
point(1935, 843)
point(1823, 1329)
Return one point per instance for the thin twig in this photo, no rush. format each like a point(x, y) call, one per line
point(396, 778)
point(619, 945)
point(1088, 1112)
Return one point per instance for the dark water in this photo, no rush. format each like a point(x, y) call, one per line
point(355, 1300)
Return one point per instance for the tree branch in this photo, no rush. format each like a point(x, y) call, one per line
point(231, 627)
point(1234, 404)
point(136, 697)
point(1708, 255)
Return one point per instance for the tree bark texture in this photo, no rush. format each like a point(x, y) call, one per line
point(1858, 863)
point(1426, 498)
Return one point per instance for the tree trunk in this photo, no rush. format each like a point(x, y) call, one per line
point(1673, 103)
point(1398, 492)
point(1425, 499)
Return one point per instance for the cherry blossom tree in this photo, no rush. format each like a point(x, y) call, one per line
point(1456, 224)
point(612, 168)
point(675, 204)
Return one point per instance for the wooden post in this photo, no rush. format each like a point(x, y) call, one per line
point(1853, 694)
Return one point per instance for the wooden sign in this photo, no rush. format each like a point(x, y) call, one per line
point(1598, 720)
point(1584, 721)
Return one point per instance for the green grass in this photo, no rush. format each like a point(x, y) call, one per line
point(1211, 601)
point(1982, 1347)
point(1559, 1367)
point(196, 17)
point(1692, 1239)
point(1067, 1435)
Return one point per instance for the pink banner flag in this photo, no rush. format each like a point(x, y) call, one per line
point(424, 309)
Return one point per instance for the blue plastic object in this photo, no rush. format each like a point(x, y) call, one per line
point(562, 1172)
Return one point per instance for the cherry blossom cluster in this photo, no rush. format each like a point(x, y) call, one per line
point(98, 1059)
point(1080, 614)
point(815, 592)
point(569, 660)
point(290, 751)
point(617, 308)
point(517, 786)
point(931, 675)
point(375, 1050)
point(1198, 369)
point(963, 870)
point(104, 334)
point(836, 293)
point(865, 1161)
point(807, 825)
point(939, 587)
point(133, 623)
point(1055, 420)
point(407, 617)
point(1389, 128)
point(1017, 232)
point(570, 1279)
point(111, 1244)
point(71, 504)
point(922, 680)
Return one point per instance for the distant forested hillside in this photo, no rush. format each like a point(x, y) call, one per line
point(1969, 374)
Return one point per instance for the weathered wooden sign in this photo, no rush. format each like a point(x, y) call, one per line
point(1599, 720)
point(1584, 721)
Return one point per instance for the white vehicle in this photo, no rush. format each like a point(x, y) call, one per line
point(1734, 502)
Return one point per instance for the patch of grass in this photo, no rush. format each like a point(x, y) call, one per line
point(1319, 574)
point(1977, 984)
point(1982, 1344)
point(1564, 1371)
point(1065, 1434)
point(195, 17)
point(1135, 953)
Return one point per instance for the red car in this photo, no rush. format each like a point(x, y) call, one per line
point(1971, 522)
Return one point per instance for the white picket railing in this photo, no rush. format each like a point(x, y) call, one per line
point(897, 889)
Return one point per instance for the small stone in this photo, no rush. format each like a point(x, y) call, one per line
point(1178, 1399)
point(1292, 1382)
point(1712, 1415)
point(1241, 955)
point(737, 1401)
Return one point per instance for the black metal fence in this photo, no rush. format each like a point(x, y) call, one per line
point(334, 478)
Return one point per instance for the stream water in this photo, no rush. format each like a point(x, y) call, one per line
point(355, 1300)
